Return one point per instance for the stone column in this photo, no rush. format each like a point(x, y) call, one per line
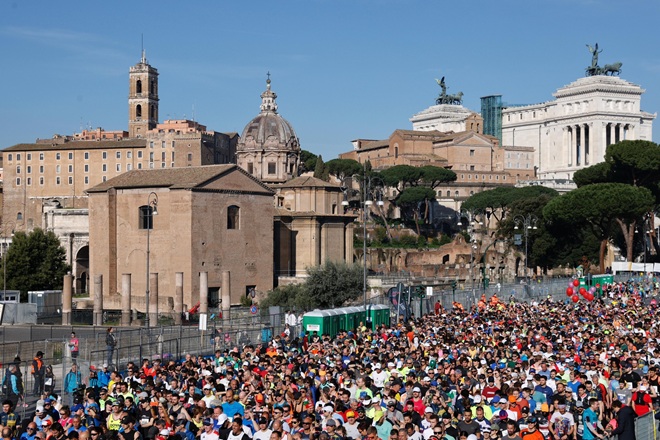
point(226, 294)
point(178, 297)
point(590, 141)
point(612, 133)
point(98, 300)
point(67, 303)
point(203, 292)
point(126, 299)
point(153, 299)
point(348, 243)
point(566, 145)
point(582, 150)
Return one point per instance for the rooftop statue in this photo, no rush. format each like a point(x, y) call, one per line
point(443, 98)
point(595, 69)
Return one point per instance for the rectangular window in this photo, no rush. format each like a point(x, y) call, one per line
point(71, 168)
point(105, 155)
point(162, 156)
point(70, 180)
point(41, 181)
point(250, 168)
point(104, 168)
point(151, 165)
point(139, 166)
point(189, 157)
point(471, 167)
point(162, 144)
point(162, 164)
point(18, 169)
point(129, 167)
point(86, 180)
point(103, 179)
point(471, 152)
point(29, 169)
point(151, 156)
point(41, 169)
point(118, 167)
point(41, 156)
point(146, 217)
point(87, 168)
point(172, 164)
point(58, 181)
point(129, 155)
point(140, 154)
point(18, 181)
point(18, 156)
point(29, 156)
point(173, 144)
point(86, 155)
point(57, 169)
point(272, 168)
point(58, 156)
point(29, 180)
point(71, 156)
point(9, 157)
point(151, 144)
point(118, 154)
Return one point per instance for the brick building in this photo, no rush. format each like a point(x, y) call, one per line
point(214, 219)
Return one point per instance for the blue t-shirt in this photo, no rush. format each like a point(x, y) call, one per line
point(589, 418)
point(231, 409)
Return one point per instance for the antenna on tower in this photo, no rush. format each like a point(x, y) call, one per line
point(193, 112)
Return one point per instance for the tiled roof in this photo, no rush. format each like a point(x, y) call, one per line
point(173, 178)
point(309, 182)
point(80, 145)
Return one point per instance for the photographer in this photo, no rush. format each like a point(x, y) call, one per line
point(72, 383)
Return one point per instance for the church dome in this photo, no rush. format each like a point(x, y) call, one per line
point(268, 130)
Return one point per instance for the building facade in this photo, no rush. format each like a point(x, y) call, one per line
point(213, 219)
point(310, 226)
point(573, 131)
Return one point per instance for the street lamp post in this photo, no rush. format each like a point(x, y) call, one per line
point(366, 202)
point(149, 212)
point(528, 222)
point(4, 253)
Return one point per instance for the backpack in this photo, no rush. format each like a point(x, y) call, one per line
point(639, 398)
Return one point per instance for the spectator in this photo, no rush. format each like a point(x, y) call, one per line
point(38, 373)
point(110, 343)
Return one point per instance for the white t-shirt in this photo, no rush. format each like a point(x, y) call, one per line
point(262, 435)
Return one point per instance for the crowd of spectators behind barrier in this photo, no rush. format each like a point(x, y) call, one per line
point(510, 371)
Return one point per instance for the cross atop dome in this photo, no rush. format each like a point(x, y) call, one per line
point(268, 97)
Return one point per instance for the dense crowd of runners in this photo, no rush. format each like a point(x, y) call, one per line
point(509, 371)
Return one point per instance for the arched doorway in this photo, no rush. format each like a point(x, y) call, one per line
point(82, 270)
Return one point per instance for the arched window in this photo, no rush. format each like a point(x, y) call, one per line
point(152, 87)
point(138, 111)
point(146, 217)
point(233, 217)
point(19, 216)
point(138, 86)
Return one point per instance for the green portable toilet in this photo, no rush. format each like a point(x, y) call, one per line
point(600, 280)
point(315, 321)
point(343, 318)
point(379, 315)
point(354, 315)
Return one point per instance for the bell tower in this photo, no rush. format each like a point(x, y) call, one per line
point(142, 98)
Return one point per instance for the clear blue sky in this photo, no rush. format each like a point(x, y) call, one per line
point(342, 69)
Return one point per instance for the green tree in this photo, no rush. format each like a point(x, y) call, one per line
point(321, 169)
point(436, 176)
point(342, 168)
point(307, 160)
point(412, 198)
point(400, 177)
point(498, 201)
point(602, 206)
point(35, 261)
point(333, 284)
